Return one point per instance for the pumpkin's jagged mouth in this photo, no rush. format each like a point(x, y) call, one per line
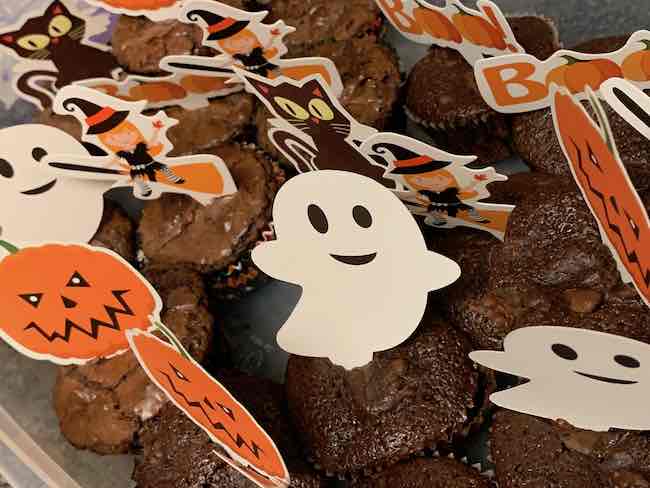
point(95, 324)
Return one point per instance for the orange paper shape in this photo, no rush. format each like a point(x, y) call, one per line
point(601, 176)
point(473, 33)
point(71, 304)
point(518, 83)
point(248, 448)
point(156, 10)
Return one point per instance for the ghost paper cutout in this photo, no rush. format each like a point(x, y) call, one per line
point(593, 380)
point(361, 261)
point(37, 206)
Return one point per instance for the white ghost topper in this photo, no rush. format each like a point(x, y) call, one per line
point(592, 380)
point(36, 206)
point(361, 261)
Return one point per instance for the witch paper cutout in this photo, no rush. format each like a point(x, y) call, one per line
point(438, 185)
point(361, 261)
point(475, 34)
point(136, 149)
point(590, 379)
point(72, 303)
point(37, 206)
point(247, 44)
point(311, 128)
point(243, 444)
point(600, 174)
point(54, 50)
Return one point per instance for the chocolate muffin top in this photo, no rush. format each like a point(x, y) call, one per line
point(531, 452)
point(116, 232)
point(427, 473)
point(535, 139)
point(176, 230)
point(414, 396)
point(178, 454)
point(101, 405)
point(323, 20)
point(553, 269)
point(441, 91)
point(370, 77)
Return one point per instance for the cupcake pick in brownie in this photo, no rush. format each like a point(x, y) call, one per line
point(438, 185)
point(135, 150)
point(152, 9)
point(248, 44)
point(348, 241)
point(589, 379)
point(475, 34)
point(522, 83)
point(54, 50)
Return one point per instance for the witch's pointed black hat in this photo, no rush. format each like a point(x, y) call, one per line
point(99, 119)
point(218, 27)
point(408, 162)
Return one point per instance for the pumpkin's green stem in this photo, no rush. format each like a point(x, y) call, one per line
point(173, 339)
point(9, 247)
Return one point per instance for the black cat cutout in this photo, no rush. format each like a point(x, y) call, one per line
point(311, 128)
point(57, 36)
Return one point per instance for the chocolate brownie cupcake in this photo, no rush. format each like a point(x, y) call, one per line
point(418, 395)
point(102, 405)
point(221, 121)
point(530, 452)
point(178, 231)
point(116, 232)
point(553, 269)
point(535, 139)
point(427, 473)
point(443, 98)
point(176, 453)
point(325, 20)
point(371, 81)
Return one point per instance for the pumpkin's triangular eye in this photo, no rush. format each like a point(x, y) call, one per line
point(178, 374)
point(34, 299)
point(77, 281)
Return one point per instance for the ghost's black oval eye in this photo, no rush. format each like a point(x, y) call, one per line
point(318, 219)
point(565, 352)
point(362, 216)
point(38, 153)
point(6, 169)
point(627, 361)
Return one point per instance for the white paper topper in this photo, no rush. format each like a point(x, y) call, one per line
point(630, 102)
point(135, 150)
point(361, 261)
point(592, 380)
point(36, 206)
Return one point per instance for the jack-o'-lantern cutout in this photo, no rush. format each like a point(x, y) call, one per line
point(599, 172)
point(71, 303)
point(248, 448)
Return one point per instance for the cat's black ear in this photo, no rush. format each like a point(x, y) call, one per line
point(316, 89)
point(57, 8)
point(262, 87)
point(8, 39)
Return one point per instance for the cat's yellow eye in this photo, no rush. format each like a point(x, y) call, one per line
point(292, 108)
point(60, 26)
point(34, 42)
point(320, 109)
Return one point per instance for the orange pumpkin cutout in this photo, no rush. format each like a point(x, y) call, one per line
point(478, 30)
point(248, 447)
point(576, 73)
point(636, 66)
point(71, 304)
point(140, 4)
point(606, 186)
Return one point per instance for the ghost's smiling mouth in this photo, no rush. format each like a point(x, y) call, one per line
point(606, 380)
point(355, 260)
point(40, 189)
